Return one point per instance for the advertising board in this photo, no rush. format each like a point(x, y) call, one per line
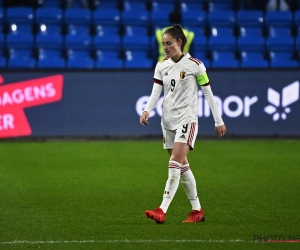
point(108, 103)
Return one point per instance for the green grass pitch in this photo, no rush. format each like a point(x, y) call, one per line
point(93, 194)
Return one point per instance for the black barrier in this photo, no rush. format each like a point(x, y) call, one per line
point(108, 103)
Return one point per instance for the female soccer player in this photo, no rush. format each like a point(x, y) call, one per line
point(180, 74)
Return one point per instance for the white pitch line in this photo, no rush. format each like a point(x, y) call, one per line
point(117, 241)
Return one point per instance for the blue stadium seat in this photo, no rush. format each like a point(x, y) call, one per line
point(193, 1)
point(107, 4)
point(138, 59)
point(279, 18)
point(21, 58)
point(280, 31)
point(200, 42)
point(78, 29)
point(297, 18)
point(107, 30)
point(198, 30)
point(222, 31)
point(257, 44)
point(280, 44)
point(49, 16)
point(78, 21)
point(251, 32)
point(281, 59)
point(78, 16)
point(219, 5)
point(49, 41)
point(53, 29)
point(136, 38)
point(50, 58)
point(20, 28)
point(200, 39)
point(109, 60)
point(2, 16)
point(107, 38)
point(253, 18)
point(82, 42)
point(224, 59)
point(197, 18)
point(135, 5)
point(20, 15)
point(79, 49)
point(2, 51)
point(165, 1)
point(80, 59)
point(225, 18)
point(20, 41)
point(222, 43)
point(3, 62)
point(20, 19)
point(76, 4)
point(297, 43)
point(107, 17)
point(136, 17)
point(51, 4)
point(2, 41)
point(187, 6)
point(160, 13)
point(254, 59)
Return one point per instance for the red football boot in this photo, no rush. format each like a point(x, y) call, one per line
point(195, 216)
point(157, 214)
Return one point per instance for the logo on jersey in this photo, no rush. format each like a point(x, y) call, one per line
point(182, 75)
point(182, 136)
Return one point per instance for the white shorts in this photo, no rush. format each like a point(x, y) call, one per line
point(187, 134)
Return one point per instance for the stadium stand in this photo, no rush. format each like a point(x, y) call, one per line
point(109, 59)
point(137, 59)
point(121, 34)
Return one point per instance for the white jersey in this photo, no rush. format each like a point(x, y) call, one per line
point(180, 82)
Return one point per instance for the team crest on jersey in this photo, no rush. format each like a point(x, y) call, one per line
point(182, 75)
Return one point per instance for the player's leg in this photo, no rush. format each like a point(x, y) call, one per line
point(189, 184)
point(187, 136)
point(178, 151)
point(172, 183)
point(184, 141)
point(174, 170)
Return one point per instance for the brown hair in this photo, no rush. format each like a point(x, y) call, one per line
point(176, 31)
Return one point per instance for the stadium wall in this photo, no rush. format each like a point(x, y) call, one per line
point(107, 104)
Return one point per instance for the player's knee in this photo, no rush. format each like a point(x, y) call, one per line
point(176, 159)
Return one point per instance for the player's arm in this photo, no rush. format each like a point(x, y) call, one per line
point(152, 101)
point(155, 94)
point(204, 83)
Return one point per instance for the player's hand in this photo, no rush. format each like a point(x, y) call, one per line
point(144, 118)
point(221, 130)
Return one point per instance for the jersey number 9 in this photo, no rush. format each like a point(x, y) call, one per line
point(172, 85)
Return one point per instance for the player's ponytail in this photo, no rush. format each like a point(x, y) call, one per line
point(176, 31)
